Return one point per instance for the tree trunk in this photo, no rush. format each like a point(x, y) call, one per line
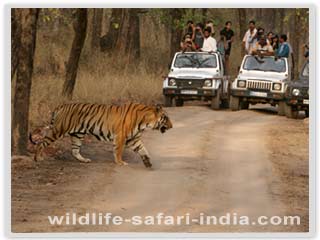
point(242, 25)
point(96, 27)
point(128, 39)
point(281, 19)
point(176, 31)
point(27, 44)
point(295, 41)
point(108, 41)
point(133, 39)
point(269, 18)
point(15, 39)
point(120, 44)
point(80, 28)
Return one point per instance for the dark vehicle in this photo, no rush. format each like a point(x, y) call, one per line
point(297, 94)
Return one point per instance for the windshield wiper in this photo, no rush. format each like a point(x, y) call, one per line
point(200, 64)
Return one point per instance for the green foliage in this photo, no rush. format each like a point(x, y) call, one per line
point(52, 15)
point(166, 17)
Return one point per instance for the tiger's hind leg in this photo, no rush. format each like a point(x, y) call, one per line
point(137, 146)
point(76, 140)
point(48, 139)
point(118, 145)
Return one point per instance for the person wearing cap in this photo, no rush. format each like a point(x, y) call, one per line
point(209, 43)
point(262, 48)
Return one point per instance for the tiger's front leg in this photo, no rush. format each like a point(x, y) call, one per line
point(118, 146)
point(137, 146)
point(76, 140)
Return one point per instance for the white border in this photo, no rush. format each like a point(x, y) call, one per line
point(5, 121)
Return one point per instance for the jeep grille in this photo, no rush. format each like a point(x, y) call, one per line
point(189, 83)
point(258, 85)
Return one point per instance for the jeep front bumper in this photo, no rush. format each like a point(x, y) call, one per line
point(251, 94)
point(183, 92)
point(299, 102)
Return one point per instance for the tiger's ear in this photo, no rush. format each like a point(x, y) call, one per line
point(158, 107)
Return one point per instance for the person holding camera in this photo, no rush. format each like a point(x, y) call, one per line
point(187, 45)
point(198, 36)
point(262, 47)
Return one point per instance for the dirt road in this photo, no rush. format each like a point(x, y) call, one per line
point(250, 162)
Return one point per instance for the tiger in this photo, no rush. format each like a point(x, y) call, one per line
point(121, 124)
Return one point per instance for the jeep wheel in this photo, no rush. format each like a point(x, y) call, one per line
point(179, 102)
point(281, 108)
point(291, 112)
point(225, 103)
point(167, 101)
point(234, 103)
point(244, 105)
point(215, 101)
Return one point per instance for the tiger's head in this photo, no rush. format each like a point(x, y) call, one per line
point(163, 122)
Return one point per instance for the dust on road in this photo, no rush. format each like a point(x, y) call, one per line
point(249, 162)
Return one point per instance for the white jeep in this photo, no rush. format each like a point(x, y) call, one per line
point(261, 80)
point(196, 76)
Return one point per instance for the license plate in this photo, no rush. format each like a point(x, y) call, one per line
point(305, 101)
point(189, 92)
point(258, 94)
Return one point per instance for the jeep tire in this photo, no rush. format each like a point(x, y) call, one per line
point(281, 108)
point(179, 102)
point(244, 105)
point(291, 112)
point(225, 103)
point(234, 103)
point(215, 101)
point(167, 101)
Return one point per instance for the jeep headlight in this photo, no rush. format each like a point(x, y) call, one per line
point(172, 82)
point(277, 86)
point(208, 83)
point(241, 83)
point(295, 92)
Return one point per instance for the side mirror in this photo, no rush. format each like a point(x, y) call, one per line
point(238, 68)
point(169, 66)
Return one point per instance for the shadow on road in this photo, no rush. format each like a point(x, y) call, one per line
point(264, 109)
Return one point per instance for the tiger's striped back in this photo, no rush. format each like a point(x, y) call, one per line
point(122, 124)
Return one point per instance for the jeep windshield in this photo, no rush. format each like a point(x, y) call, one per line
point(194, 60)
point(266, 64)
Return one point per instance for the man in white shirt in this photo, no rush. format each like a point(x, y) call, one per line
point(249, 39)
point(209, 43)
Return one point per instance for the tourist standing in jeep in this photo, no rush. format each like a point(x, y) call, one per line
point(229, 36)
